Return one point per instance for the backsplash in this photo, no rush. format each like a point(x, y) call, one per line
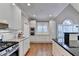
point(8, 34)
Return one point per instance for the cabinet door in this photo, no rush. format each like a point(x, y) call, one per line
point(26, 45)
point(21, 48)
point(15, 22)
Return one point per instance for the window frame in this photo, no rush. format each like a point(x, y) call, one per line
point(45, 33)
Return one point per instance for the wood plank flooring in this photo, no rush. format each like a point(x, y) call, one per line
point(40, 49)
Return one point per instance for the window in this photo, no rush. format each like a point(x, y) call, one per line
point(67, 22)
point(67, 25)
point(42, 27)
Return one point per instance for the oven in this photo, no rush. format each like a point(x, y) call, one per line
point(16, 53)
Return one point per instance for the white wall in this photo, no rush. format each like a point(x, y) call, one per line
point(70, 13)
point(52, 27)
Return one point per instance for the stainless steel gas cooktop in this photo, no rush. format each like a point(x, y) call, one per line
point(5, 45)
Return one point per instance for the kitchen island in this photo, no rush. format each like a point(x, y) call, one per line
point(60, 49)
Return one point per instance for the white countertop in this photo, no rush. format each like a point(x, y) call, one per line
point(17, 39)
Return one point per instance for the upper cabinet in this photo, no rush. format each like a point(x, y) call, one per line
point(15, 22)
point(11, 14)
point(5, 12)
point(33, 23)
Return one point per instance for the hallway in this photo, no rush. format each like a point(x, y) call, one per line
point(40, 49)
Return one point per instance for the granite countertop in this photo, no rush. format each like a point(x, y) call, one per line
point(74, 51)
point(72, 32)
point(17, 39)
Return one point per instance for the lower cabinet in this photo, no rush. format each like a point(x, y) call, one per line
point(24, 45)
point(57, 50)
point(21, 48)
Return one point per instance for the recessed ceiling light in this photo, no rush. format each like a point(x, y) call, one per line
point(13, 4)
point(28, 4)
point(34, 15)
point(50, 15)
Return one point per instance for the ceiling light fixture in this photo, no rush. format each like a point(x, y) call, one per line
point(34, 15)
point(28, 4)
point(13, 4)
point(50, 15)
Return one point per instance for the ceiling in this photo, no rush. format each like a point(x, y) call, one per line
point(43, 11)
point(76, 6)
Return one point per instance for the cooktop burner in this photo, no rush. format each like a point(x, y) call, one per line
point(4, 45)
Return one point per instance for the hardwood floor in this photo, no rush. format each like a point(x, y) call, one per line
point(40, 49)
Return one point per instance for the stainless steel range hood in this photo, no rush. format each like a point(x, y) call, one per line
point(3, 25)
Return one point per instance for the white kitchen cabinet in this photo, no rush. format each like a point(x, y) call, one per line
point(21, 48)
point(5, 12)
point(26, 45)
point(33, 23)
point(57, 50)
point(15, 22)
